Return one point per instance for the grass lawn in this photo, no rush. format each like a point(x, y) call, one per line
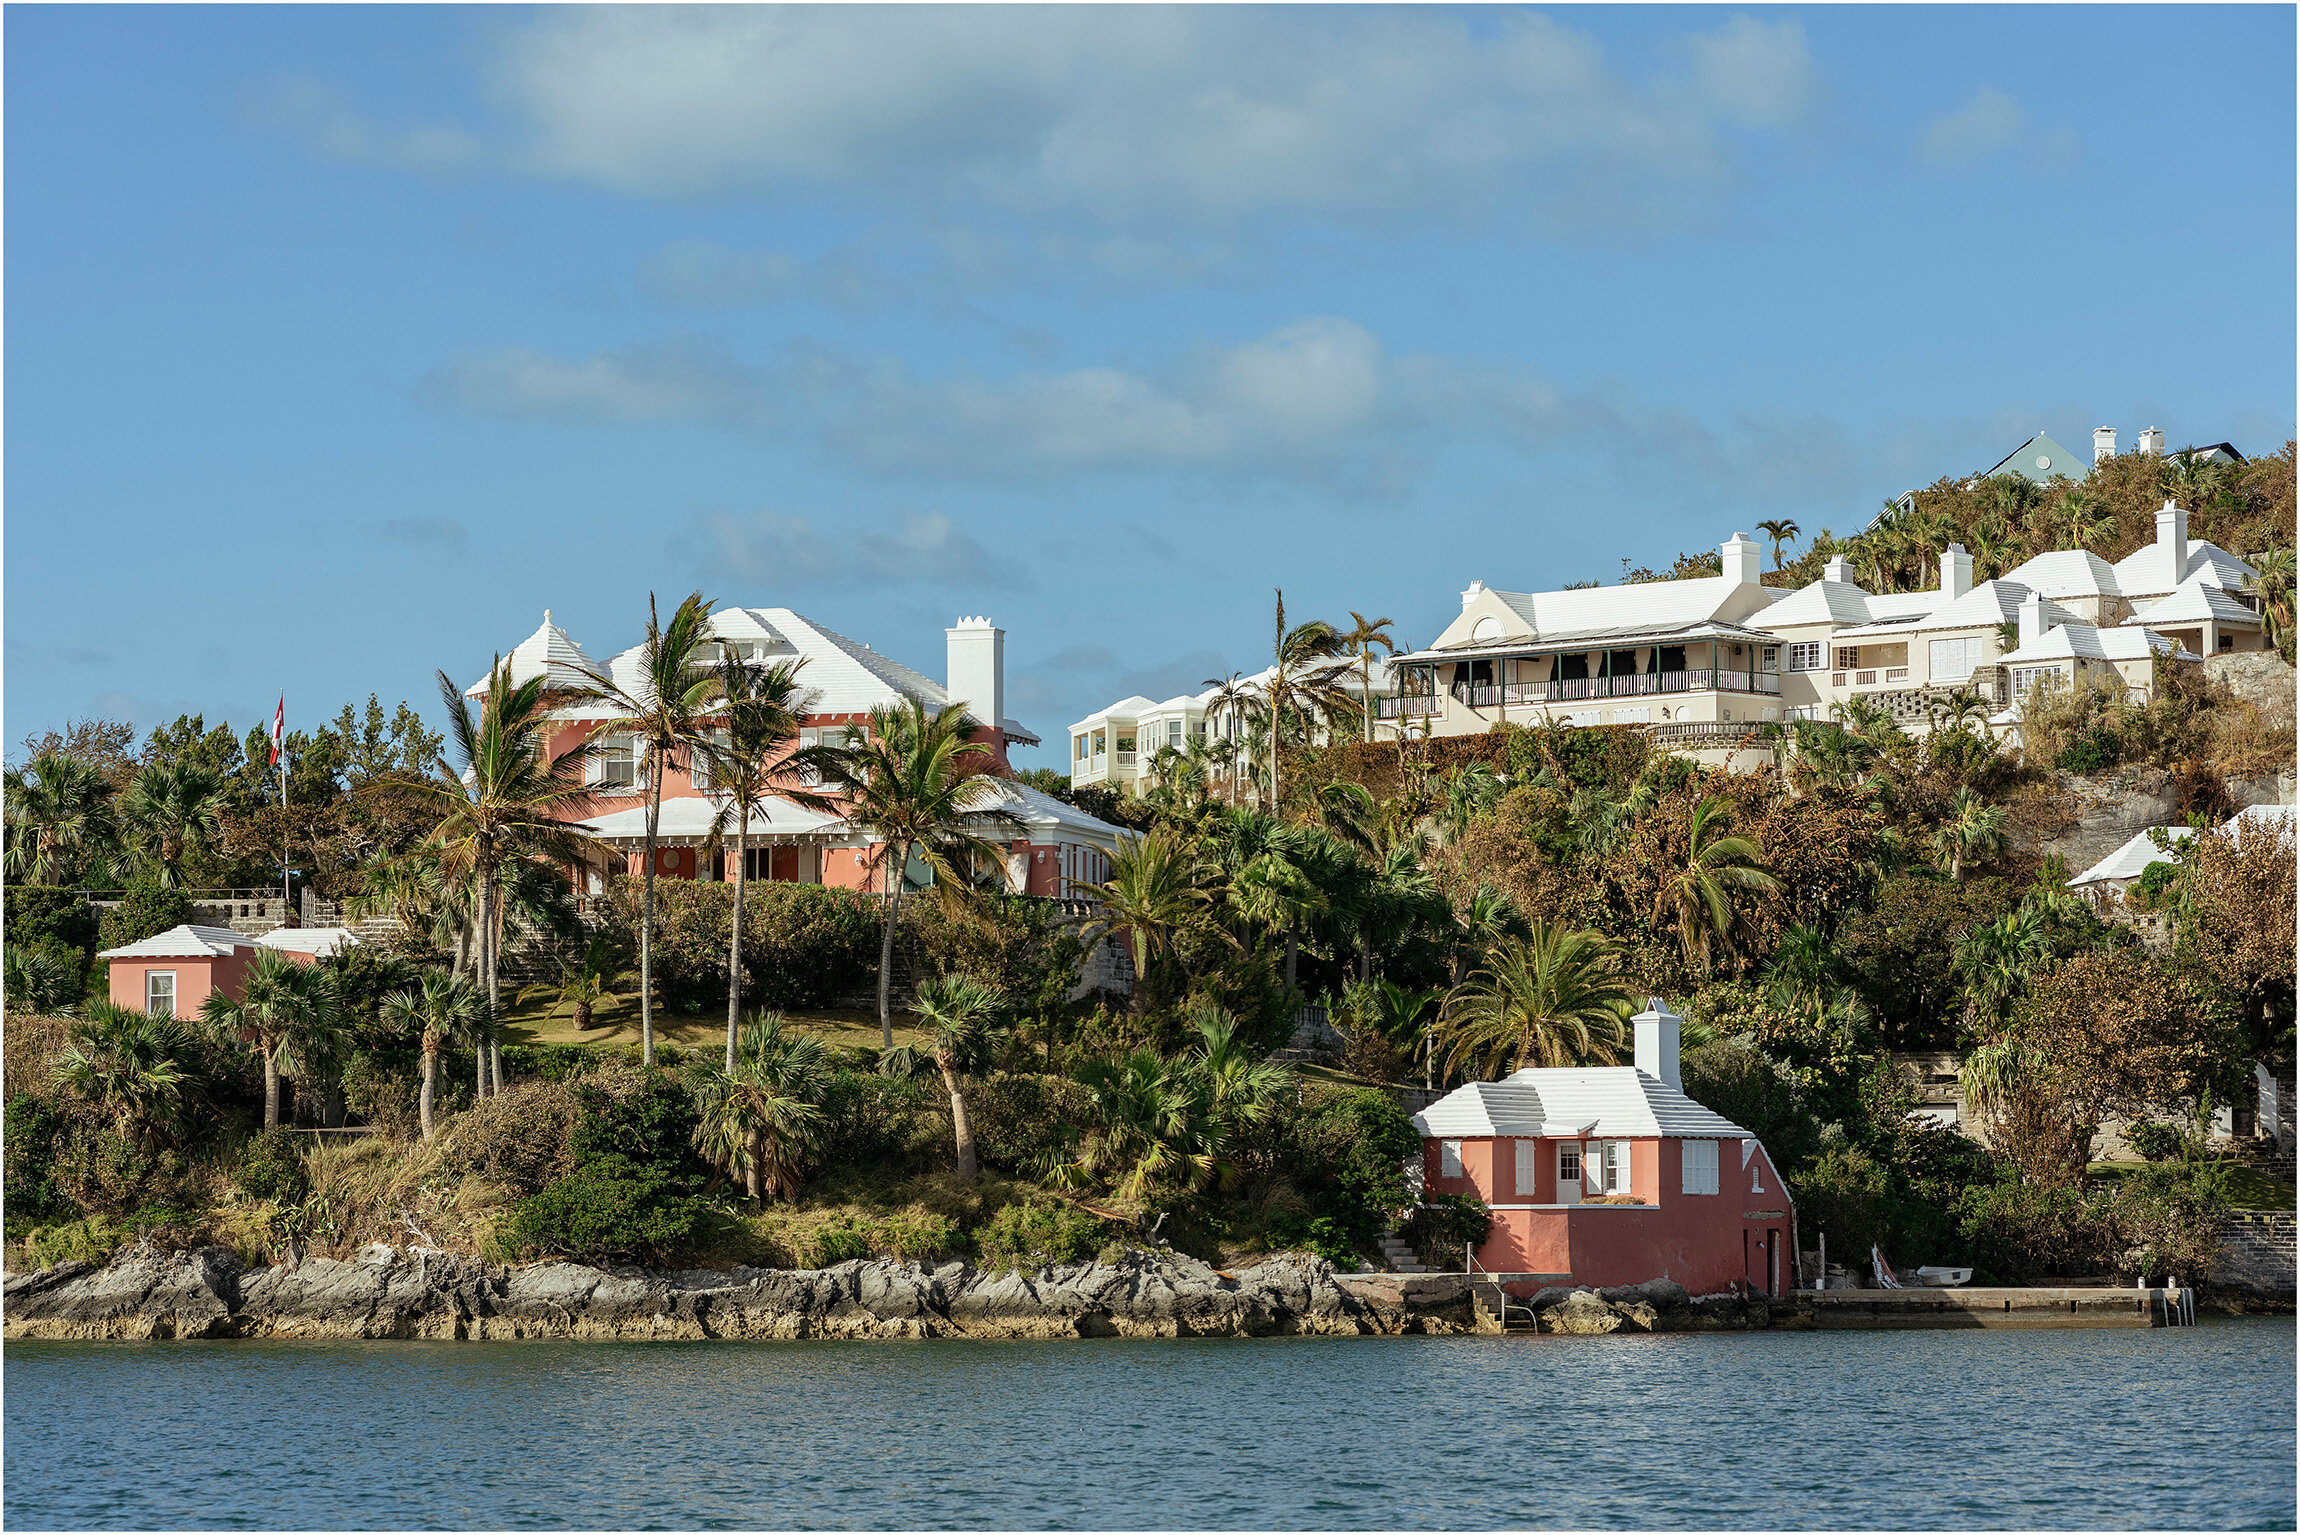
point(2249, 1189)
point(616, 1022)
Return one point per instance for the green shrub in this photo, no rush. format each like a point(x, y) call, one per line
point(28, 1158)
point(523, 1137)
point(271, 1166)
point(1344, 1152)
point(2017, 1232)
point(806, 945)
point(1331, 1239)
point(89, 1240)
point(2093, 751)
point(1020, 1116)
point(553, 1063)
point(1038, 1232)
point(876, 1122)
point(2154, 1142)
point(840, 1240)
point(1443, 1228)
point(642, 1115)
point(910, 1235)
point(2155, 883)
point(49, 914)
point(380, 1089)
point(610, 1207)
point(1021, 947)
point(147, 908)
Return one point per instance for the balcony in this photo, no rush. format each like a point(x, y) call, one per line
point(1637, 685)
point(1126, 759)
point(1412, 706)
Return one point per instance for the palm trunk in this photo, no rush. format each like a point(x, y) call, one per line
point(430, 1086)
point(479, 1069)
point(754, 1175)
point(490, 938)
point(960, 1126)
point(735, 941)
point(1293, 950)
point(886, 951)
point(271, 1054)
point(647, 921)
point(495, 1063)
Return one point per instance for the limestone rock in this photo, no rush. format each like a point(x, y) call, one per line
point(1583, 1312)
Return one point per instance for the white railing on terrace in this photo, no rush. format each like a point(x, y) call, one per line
point(1629, 685)
point(1126, 759)
point(1411, 706)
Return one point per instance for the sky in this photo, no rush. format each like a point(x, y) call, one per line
point(341, 342)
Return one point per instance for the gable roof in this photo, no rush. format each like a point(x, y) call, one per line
point(1043, 812)
point(2132, 860)
point(1984, 607)
point(185, 942)
point(2148, 572)
point(548, 653)
point(1646, 604)
point(2081, 641)
point(2067, 573)
point(1572, 1101)
point(1818, 602)
point(2039, 459)
point(2194, 602)
point(319, 942)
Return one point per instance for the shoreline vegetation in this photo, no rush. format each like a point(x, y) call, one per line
point(1457, 908)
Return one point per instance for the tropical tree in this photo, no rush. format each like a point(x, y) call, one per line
point(292, 1013)
point(1153, 890)
point(961, 1017)
point(1556, 998)
point(1487, 918)
point(1243, 1087)
point(1363, 637)
point(1994, 960)
point(171, 815)
point(134, 1066)
point(2275, 588)
point(2086, 516)
point(1275, 892)
point(914, 782)
point(509, 805)
point(1304, 681)
point(1400, 1015)
point(664, 709)
point(38, 978)
point(1155, 1124)
point(59, 812)
point(756, 1117)
point(1233, 701)
point(752, 763)
point(1781, 531)
point(445, 1009)
point(1974, 829)
point(583, 982)
point(1711, 869)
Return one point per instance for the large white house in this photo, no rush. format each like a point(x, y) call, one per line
point(1118, 744)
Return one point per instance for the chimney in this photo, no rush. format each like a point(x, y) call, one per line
point(1657, 1031)
point(2103, 443)
point(1476, 590)
point(1835, 569)
point(977, 670)
point(2172, 537)
point(1742, 565)
point(1956, 572)
point(2031, 619)
point(2152, 441)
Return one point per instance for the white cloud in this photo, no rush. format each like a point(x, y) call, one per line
point(787, 549)
point(1759, 74)
point(329, 128)
point(686, 380)
point(1988, 121)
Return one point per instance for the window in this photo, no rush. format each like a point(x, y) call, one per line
point(1449, 1159)
point(1568, 1166)
point(1954, 660)
point(2026, 677)
point(1526, 1167)
point(160, 993)
point(699, 763)
point(1805, 657)
point(1699, 1159)
point(1769, 658)
point(1617, 1167)
point(1081, 743)
point(1848, 657)
point(1756, 1174)
point(1174, 734)
point(616, 766)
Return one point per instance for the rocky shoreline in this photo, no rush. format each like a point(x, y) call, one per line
point(386, 1293)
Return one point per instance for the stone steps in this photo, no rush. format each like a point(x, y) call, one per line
point(1398, 1258)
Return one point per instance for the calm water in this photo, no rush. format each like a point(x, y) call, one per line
point(2158, 1429)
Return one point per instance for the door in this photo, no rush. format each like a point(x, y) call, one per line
point(1569, 1173)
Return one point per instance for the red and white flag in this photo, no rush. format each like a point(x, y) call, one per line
point(279, 731)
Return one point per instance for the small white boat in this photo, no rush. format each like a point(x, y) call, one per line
point(1944, 1278)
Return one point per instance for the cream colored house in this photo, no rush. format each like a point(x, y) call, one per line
point(1118, 744)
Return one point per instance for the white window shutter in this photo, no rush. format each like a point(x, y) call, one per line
point(1526, 1167)
point(1622, 1182)
point(1449, 1159)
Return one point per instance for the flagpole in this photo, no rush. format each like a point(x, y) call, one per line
point(279, 757)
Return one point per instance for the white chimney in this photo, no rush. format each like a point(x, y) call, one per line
point(1956, 572)
point(977, 670)
point(2172, 537)
point(1742, 565)
point(2031, 619)
point(2152, 441)
point(1657, 1031)
point(2103, 443)
point(1834, 570)
point(1476, 590)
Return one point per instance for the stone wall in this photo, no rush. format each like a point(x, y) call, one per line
point(2256, 1251)
point(2257, 676)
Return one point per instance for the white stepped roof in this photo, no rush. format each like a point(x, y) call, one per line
point(1819, 602)
point(2148, 572)
point(185, 942)
point(1644, 605)
point(2260, 818)
point(1573, 1101)
point(1044, 814)
point(1985, 606)
point(2087, 642)
point(2131, 860)
point(2195, 602)
point(2067, 573)
point(686, 819)
point(318, 942)
point(547, 653)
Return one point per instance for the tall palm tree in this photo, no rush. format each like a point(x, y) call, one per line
point(1714, 867)
point(2086, 516)
point(1781, 531)
point(1974, 829)
point(752, 764)
point(2275, 589)
point(664, 708)
point(1557, 998)
point(291, 1012)
point(1304, 681)
point(1275, 892)
point(914, 781)
point(446, 1009)
point(757, 1116)
point(172, 813)
point(961, 1015)
point(131, 1065)
point(1483, 921)
point(509, 805)
point(1153, 889)
point(1363, 637)
point(59, 811)
point(1232, 701)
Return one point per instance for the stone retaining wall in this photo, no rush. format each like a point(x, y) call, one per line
point(2256, 1251)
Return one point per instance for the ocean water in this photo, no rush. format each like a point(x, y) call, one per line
point(2155, 1429)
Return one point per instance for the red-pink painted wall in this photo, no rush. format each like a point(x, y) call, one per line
point(196, 979)
point(1708, 1243)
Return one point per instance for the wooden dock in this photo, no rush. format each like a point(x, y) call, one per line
point(1987, 1306)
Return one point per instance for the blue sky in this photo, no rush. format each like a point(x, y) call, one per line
point(343, 341)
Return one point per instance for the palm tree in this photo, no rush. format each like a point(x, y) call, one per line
point(913, 783)
point(1399, 1014)
point(1233, 699)
point(1480, 923)
point(132, 1065)
point(1781, 531)
point(961, 1016)
point(1361, 640)
point(584, 982)
point(1303, 680)
point(1274, 892)
point(171, 812)
point(447, 1008)
point(291, 1013)
point(1471, 790)
point(1244, 1087)
point(1993, 961)
point(664, 709)
point(1962, 708)
point(1974, 829)
point(59, 811)
point(38, 979)
point(2087, 518)
point(1715, 866)
point(1152, 890)
point(756, 1117)
point(751, 763)
point(510, 804)
point(1155, 1123)
point(1557, 998)
point(2275, 588)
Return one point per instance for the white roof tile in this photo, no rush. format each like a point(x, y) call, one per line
point(2087, 642)
point(2132, 860)
point(2196, 601)
point(1984, 607)
point(687, 818)
point(320, 942)
point(1818, 602)
point(2067, 573)
point(2148, 572)
point(549, 653)
point(185, 942)
point(1574, 1100)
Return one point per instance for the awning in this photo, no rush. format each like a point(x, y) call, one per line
point(686, 822)
point(1579, 641)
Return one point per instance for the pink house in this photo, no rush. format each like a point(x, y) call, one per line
point(1056, 846)
point(1610, 1175)
point(172, 973)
